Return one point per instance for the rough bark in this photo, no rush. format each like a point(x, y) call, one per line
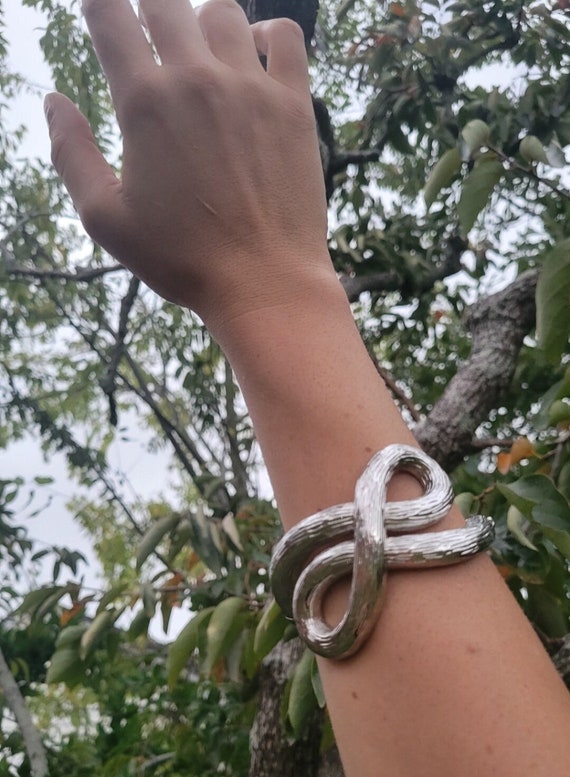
point(331, 765)
point(273, 754)
point(498, 325)
point(30, 734)
point(561, 659)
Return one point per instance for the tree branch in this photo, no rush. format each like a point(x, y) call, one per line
point(230, 423)
point(455, 247)
point(482, 443)
point(32, 740)
point(342, 159)
point(531, 172)
point(81, 275)
point(108, 381)
point(397, 392)
point(498, 325)
point(156, 761)
point(355, 285)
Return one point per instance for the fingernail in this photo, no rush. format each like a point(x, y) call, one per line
point(48, 109)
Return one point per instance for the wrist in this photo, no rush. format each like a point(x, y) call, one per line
point(264, 315)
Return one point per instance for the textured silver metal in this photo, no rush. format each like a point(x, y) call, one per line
point(351, 539)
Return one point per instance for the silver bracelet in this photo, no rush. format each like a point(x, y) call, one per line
point(352, 539)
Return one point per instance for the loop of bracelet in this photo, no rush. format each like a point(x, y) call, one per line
point(351, 539)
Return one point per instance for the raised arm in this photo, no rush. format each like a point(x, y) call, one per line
point(221, 208)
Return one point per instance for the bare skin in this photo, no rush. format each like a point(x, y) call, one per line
point(216, 212)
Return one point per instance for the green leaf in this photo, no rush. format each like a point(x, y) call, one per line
point(563, 481)
point(223, 628)
point(165, 612)
point(64, 666)
point(70, 635)
point(553, 301)
point(231, 531)
point(477, 189)
point(270, 629)
point(111, 596)
point(515, 524)
point(474, 135)
point(37, 603)
point(559, 28)
point(559, 390)
point(154, 535)
point(185, 644)
point(139, 625)
point(527, 492)
point(555, 154)
point(532, 150)
point(148, 596)
point(547, 611)
point(317, 684)
point(102, 623)
point(539, 500)
point(464, 502)
point(442, 174)
point(233, 657)
point(302, 699)
point(205, 540)
point(559, 412)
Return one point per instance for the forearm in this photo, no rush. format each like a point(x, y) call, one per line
point(450, 680)
point(318, 406)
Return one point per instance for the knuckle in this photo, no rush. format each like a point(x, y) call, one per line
point(143, 99)
point(218, 6)
point(215, 13)
point(91, 8)
point(204, 83)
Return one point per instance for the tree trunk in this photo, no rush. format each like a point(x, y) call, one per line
point(30, 734)
point(331, 765)
point(273, 753)
point(498, 325)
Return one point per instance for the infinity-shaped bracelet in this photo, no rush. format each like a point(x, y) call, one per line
point(353, 538)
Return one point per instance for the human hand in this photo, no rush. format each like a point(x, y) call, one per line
point(220, 206)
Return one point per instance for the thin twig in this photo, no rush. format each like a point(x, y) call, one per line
point(514, 165)
point(482, 443)
point(81, 275)
point(397, 391)
point(108, 381)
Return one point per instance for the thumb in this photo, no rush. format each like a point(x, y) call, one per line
point(89, 179)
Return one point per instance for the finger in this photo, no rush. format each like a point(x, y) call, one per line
point(228, 34)
point(283, 43)
point(174, 30)
point(91, 182)
point(119, 41)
